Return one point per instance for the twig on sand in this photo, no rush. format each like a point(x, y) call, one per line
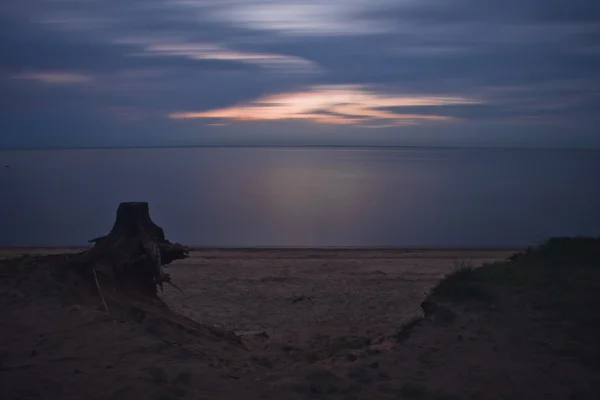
point(176, 287)
point(99, 290)
point(296, 299)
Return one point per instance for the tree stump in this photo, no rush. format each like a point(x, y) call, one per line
point(135, 251)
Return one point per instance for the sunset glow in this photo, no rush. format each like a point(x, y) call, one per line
point(195, 72)
point(332, 104)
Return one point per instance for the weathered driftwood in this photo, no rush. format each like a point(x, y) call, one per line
point(135, 251)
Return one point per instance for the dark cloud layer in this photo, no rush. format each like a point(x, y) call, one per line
point(158, 72)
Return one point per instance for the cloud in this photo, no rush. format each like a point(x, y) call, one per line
point(211, 51)
point(295, 62)
point(293, 17)
point(55, 77)
point(333, 104)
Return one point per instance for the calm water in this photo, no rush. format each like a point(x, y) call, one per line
point(304, 197)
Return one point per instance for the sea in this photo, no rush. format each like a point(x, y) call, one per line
point(304, 197)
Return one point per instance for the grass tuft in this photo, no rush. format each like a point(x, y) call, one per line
point(462, 284)
point(560, 277)
point(563, 265)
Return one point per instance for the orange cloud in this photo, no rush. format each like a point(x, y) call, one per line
point(332, 104)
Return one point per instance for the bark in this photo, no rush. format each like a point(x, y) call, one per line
point(135, 251)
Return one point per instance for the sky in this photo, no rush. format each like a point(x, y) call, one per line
point(106, 73)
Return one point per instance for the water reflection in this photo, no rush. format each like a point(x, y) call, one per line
point(304, 197)
point(316, 202)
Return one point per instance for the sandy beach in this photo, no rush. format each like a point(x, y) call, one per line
point(307, 297)
point(272, 324)
point(303, 296)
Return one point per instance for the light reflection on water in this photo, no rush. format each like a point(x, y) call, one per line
point(305, 197)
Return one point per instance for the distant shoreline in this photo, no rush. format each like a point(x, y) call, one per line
point(315, 147)
point(405, 249)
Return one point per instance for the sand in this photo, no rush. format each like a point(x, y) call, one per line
point(312, 323)
point(302, 297)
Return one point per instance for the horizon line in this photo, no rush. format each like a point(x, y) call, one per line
point(306, 146)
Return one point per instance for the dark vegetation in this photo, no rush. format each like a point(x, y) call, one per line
point(567, 268)
point(559, 279)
